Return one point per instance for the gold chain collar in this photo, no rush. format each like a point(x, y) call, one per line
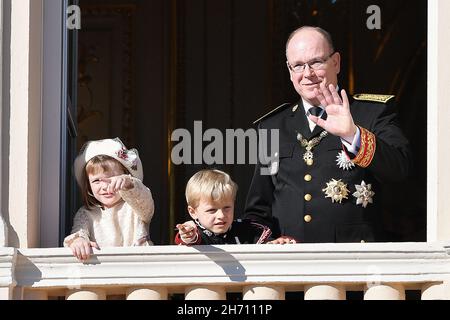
point(308, 156)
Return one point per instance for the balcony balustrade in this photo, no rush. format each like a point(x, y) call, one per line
point(385, 271)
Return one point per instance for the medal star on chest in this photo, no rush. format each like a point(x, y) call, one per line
point(363, 194)
point(344, 162)
point(336, 190)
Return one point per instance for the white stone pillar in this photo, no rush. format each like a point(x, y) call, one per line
point(154, 293)
point(325, 292)
point(259, 292)
point(438, 210)
point(25, 122)
point(205, 293)
point(3, 226)
point(86, 294)
point(384, 292)
point(436, 291)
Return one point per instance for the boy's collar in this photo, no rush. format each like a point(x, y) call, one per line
point(210, 233)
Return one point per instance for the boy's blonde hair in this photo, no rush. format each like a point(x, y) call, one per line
point(211, 184)
point(98, 164)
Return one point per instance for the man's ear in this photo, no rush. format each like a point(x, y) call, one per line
point(192, 212)
point(291, 74)
point(337, 62)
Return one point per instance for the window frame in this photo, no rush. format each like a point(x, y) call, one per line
point(54, 197)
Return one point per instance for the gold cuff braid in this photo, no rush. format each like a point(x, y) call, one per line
point(367, 150)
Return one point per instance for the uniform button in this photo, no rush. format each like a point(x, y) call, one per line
point(362, 241)
point(308, 197)
point(307, 218)
point(276, 155)
point(308, 177)
point(309, 162)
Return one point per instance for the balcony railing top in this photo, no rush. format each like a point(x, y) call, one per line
point(294, 264)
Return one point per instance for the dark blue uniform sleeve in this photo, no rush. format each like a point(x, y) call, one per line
point(392, 160)
point(260, 196)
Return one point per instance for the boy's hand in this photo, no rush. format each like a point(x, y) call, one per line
point(188, 232)
point(116, 183)
point(283, 240)
point(81, 248)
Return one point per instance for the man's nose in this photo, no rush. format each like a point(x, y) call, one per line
point(220, 213)
point(308, 71)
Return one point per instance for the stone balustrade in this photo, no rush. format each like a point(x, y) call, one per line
point(304, 271)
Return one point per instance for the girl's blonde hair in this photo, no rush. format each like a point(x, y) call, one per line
point(211, 184)
point(98, 164)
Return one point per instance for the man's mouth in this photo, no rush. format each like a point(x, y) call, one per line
point(310, 84)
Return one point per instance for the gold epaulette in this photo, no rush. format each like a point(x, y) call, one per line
point(373, 97)
point(279, 108)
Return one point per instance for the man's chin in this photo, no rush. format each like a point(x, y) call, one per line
point(311, 98)
point(308, 94)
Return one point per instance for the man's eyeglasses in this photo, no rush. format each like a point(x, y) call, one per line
point(316, 64)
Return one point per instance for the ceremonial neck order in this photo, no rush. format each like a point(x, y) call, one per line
point(308, 156)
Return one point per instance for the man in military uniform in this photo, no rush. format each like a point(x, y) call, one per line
point(333, 159)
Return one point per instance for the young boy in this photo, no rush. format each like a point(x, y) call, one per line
point(210, 195)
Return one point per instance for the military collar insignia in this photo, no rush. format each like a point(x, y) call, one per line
point(208, 233)
point(363, 194)
point(344, 162)
point(336, 190)
point(373, 97)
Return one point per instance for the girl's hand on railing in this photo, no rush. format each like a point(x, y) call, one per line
point(82, 248)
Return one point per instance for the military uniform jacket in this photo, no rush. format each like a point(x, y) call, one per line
point(292, 201)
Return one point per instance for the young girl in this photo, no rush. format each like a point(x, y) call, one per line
point(210, 195)
point(118, 207)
